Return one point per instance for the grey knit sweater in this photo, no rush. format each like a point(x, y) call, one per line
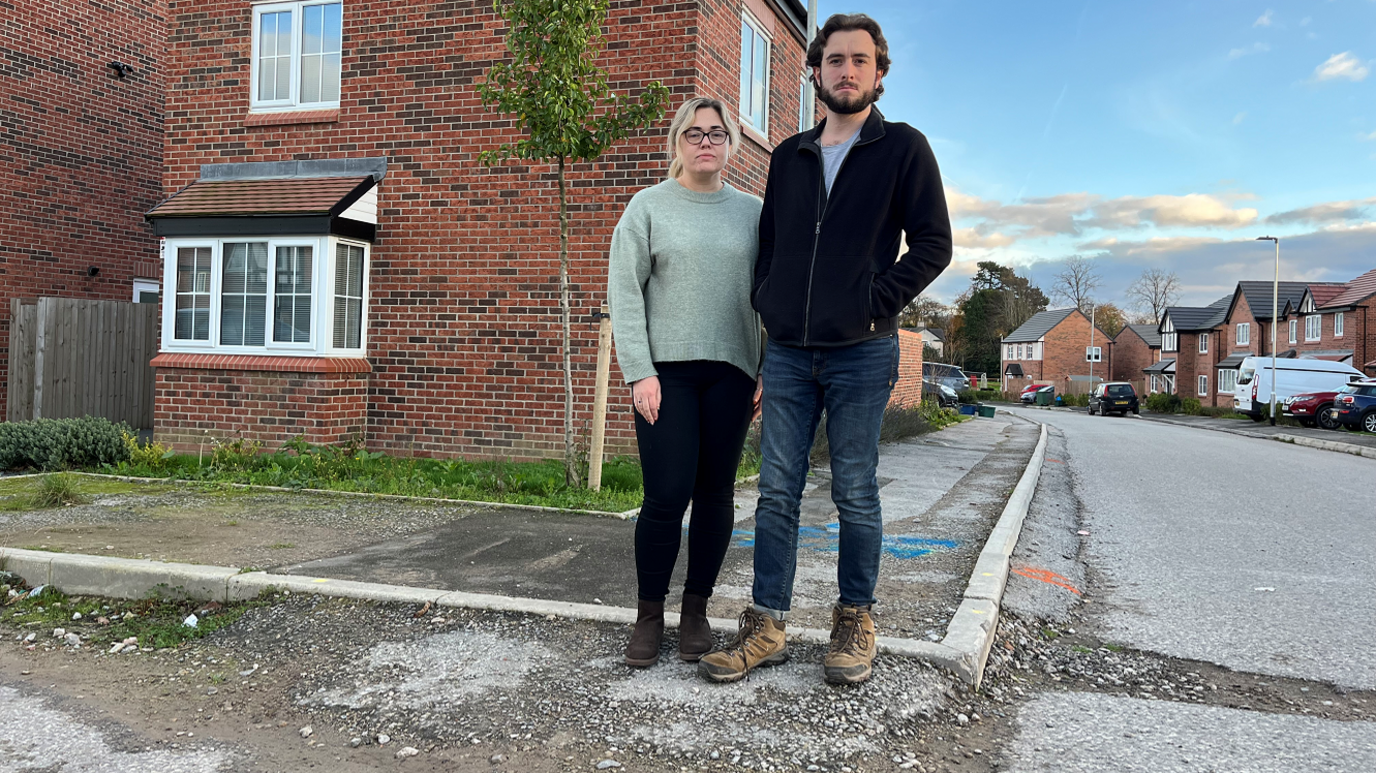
point(679, 279)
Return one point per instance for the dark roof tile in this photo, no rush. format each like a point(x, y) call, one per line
point(295, 196)
point(1039, 325)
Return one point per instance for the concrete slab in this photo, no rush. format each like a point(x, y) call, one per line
point(33, 565)
point(243, 587)
point(128, 578)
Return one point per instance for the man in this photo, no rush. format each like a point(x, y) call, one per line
point(829, 287)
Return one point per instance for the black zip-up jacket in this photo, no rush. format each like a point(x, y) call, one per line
point(828, 273)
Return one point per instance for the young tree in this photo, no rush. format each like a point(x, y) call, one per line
point(1109, 318)
point(1152, 292)
point(1076, 282)
point(553, 86)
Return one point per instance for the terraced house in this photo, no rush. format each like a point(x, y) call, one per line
point(339, 263)
point(1336, 321)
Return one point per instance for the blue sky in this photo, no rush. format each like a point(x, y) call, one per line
point(1164, 134)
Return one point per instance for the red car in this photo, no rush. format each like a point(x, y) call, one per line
point(1312, 408)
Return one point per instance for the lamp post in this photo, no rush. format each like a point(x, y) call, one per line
point(1275, 320)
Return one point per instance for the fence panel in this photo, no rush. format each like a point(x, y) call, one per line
point(72, 357)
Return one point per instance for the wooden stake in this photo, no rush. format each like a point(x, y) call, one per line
point(599, 406)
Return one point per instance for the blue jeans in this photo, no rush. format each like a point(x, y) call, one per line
point(853, 385)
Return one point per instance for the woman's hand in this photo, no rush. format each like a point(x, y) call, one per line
point(645, 397)
point(759, 398)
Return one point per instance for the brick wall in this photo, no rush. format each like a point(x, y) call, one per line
point(908, 390)
point(194, 405)
point(80, 150)
point(1063, 354)
point(1130, 355)
point(464, 329)
point(1362, 327)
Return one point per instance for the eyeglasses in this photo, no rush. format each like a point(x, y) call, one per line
point(716, 136)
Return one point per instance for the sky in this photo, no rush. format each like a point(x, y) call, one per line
point(1164, 135)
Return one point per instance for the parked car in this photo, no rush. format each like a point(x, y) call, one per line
point(1312, 408)
point(944, 396)
point(1114, 397)
point(943, 373)
point(1252, 396)
point(1029, 395)
point(1356, 405)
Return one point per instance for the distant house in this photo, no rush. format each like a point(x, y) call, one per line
point(1336, 321)
point(1050, 348)
point(1135, 348)
point(1189, 348)
point(933, 338)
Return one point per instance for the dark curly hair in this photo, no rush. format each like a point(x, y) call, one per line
point(845, 22)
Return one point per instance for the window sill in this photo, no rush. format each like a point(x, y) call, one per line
point(292, 117)
point(261, 362)
point(759, 139)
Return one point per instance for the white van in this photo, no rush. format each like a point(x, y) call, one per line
point(1252, 395)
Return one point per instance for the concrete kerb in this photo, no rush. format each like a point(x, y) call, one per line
point(1327, 445)
point(964, 650)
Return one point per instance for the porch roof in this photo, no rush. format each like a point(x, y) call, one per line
point(1164, 366)
point(1233, 360)
point(1013, 369)
point(298, 196)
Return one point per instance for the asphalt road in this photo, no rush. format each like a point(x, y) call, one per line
point(1250, 554)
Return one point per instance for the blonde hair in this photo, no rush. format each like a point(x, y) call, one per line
point(683, 121)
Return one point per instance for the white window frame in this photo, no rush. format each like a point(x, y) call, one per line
point(1203, 343)
point(1294, 330)
point(1313, 327)
point(749, 20)
point(806, 117)
point(1203, 386)
point(1244, 333)
point(1227, 380)
point(1008, 352)
point(1169, 338)
point(323, 259)
point(146, 285)
point(1338, 325)
point(297, 10)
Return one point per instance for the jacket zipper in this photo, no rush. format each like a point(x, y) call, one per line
point(823, 202)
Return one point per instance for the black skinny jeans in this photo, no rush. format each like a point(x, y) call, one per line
point(690, 453)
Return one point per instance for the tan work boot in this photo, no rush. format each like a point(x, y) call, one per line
point(851, 657)
point(643, 649)
point(758, 642)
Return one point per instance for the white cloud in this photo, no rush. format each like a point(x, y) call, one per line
point(1255, 48)
point(1327, 212)
point(1371, 136)
point(1264, 20)
point(1237, 119)
point(1194, 209)
point(1343, 65)
point(1305, 21)
point(971, 238)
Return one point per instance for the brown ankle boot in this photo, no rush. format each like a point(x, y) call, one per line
point(643, 649)
point(694, 632)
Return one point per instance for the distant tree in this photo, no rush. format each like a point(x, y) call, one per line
point(925, 312)
point(1076, 282)
point(1109, 318)
point(555, 89)
point(997, 303)
point(1152, 293)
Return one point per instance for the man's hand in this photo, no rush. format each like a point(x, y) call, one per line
point(645, 396)
point(759, 398)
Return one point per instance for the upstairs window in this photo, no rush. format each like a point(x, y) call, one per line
point(1338, 325)
point(1294, 330)
point(297, 49)
point(1244, 333)
point(1203, 343)
point(1313, 327)
point(754, 75)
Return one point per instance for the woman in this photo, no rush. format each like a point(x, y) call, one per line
point(688, 343)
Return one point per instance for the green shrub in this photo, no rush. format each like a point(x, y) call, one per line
point(1190, 406)
point(1163, 402)
point(57, 490)
point(989, 394)
point(152, 457)
point(62, 444)
point(968, 396)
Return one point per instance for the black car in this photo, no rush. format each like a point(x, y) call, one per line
point(1356, 405)
point(1114, 397)
point(944, 396)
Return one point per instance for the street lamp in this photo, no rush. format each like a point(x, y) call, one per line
point(1275, 320)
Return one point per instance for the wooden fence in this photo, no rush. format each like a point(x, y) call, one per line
point(72, 357)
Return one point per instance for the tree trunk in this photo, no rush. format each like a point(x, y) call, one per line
point(571, 477)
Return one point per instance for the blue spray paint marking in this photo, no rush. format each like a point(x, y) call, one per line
point(827, 540)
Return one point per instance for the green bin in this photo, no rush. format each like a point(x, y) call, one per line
point(1044, 398)
point(987, 411)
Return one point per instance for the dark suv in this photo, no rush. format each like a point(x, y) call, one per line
point(1114, 397)
point(1356, 405)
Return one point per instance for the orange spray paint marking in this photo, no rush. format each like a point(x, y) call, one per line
point(1054, 461)
point(1048, 576)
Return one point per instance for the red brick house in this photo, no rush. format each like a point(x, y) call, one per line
point(1336, 321)
point(1135, 348)
point(343, 266)
point(81, 121)
point(1050, 348)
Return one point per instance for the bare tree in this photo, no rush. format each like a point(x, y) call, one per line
point(1076, 283)
point(1152, 292)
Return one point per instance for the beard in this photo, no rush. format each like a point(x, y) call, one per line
point(847, 104)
